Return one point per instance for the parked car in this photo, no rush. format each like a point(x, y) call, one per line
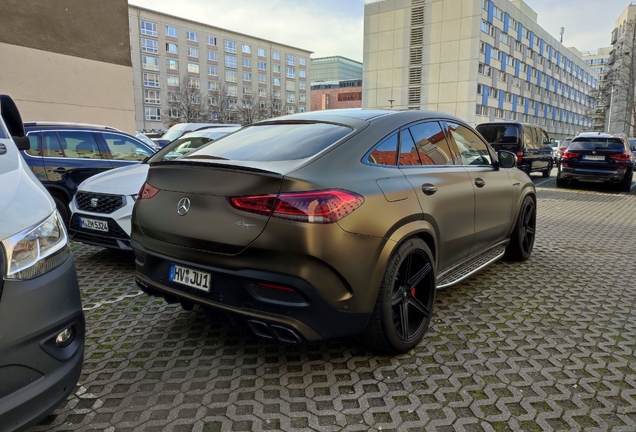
point(632, 144)
point(41, 318)
point(599, 158)
point(145, 139)
point(62, 155)
point(180, 129)
point(562, 148)
point(323, 224)
point(101, 208)
point(529, 142)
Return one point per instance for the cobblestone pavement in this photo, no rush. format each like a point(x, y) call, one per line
point(548, 344)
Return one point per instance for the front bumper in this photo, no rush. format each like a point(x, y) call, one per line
point(118, 235)
point(304, 312)
point(35, 374)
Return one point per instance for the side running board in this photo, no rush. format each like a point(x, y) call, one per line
point(471, 266)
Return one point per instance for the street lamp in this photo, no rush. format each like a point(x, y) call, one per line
point(391, 102)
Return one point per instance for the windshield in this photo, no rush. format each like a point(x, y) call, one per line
point(499, 134)
point(274, 142)
point(186, 144)
point(172, 134)
point(614, 144)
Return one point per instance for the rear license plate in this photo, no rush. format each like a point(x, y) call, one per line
point(93, 224)
point(190, 277)
point(594, 157)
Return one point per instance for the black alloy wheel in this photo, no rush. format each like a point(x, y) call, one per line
point(522, 237)
point(405, 302)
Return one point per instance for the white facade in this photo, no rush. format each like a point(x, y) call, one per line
point(165, 48)
point(480, 60)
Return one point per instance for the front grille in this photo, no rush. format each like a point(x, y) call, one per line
point(114, 230)
point(103, 203)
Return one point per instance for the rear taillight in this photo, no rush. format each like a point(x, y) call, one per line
point(326, 206)
point(147, 191)
point(519, 156)
point(623, 157)
point(569, 155)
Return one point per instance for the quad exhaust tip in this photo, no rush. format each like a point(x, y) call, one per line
point(274, 331)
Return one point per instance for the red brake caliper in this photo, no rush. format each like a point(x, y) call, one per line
point(413, 292)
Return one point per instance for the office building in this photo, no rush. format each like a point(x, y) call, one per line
point(336, 95)
point(480, 60)
point(68, 62)
point(334, 69)
point(227, 68)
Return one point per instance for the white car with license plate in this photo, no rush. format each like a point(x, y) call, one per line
point(102, 207)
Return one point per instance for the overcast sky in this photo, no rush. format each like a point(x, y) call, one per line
point(335, 27)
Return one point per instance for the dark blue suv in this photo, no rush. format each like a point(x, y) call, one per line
point(63, 155)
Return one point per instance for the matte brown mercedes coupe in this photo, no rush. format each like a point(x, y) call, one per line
point(331, 223)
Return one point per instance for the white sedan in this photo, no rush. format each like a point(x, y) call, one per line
point(102, 207)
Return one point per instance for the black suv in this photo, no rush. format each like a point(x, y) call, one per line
point(529, 142)
point(599, 158)
point(63, 155)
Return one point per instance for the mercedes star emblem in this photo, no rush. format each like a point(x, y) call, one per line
point(183, 206)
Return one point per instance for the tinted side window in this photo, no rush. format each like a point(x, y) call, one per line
point(123, 148)
point(79, 145)
point(472, 150)
point(528, 138)
point(34, 149)
point(408, 151)
point(385, 153)
point(51, 145)
point(431, 144)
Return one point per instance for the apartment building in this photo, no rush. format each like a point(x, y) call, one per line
point(480, 60)
point(242, 69)
point(599, 62)
point(51, 67)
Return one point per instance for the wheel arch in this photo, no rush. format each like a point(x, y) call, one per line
point(527, 191)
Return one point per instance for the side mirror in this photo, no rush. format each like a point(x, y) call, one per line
point(507, 159)
point(13, 120)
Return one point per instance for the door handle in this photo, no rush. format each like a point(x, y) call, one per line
point(60, 170)
point(428, 189)
point(480, 183)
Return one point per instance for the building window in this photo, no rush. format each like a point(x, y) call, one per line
point(172, 64)
point(262, 79)
point(504, 38)
point(247, 63)
point(276, 94)
point(232, 90)
point(247, 76)
point(276, 81)
point(212, 56)
point(494, 93)
point(302, 73)
point(194, 83)
point(213, 71)
point(150, 46)
point(495, 53)
point(503, 77)
point(275, 55)
point(173, 113)
point(302, 61)
point(192, 36)
point(291, 60)
point(262, 92)
point(291, 97)
point(151, 80)
point(172, 48)
point(247, 90)
point(211, 40)
point(246, 49)
point(148, 28)
point(230, 61)
point(484, 69)
point(479, 89)
point(150, 63)
point(482, 110)
point(213, 86)
point(193, 52)
point(290, 85)
point(276, 68)
point(262, 65)
point(303, 97)
point(291, 73)
point(172, 81)
point(231, 76)
point(261, 52)
point(153, 114)
point(487, 28)
point(302, 85)
point(230, 46)
point(171, 31)
point(152, 97)
point(193, 68)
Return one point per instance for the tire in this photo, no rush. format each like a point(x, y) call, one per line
point(404, 306)
point(523, 234)
point(546, 173)
point(561, 183)
point(626, 185)
point(63, 210)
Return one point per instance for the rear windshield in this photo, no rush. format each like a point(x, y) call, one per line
point(499, 134)
point(274, 142)
point(597, 144)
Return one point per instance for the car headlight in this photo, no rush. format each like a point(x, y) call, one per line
point(37, 250)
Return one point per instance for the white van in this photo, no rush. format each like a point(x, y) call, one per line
point(41, 318)
point(179, 129)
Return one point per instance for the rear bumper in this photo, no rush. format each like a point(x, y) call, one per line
point(593, 176)
point(36, 375)
point(305, 311)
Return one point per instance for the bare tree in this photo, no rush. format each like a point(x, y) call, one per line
point(186, 104)
point(222, 103)
point(623, 81)
point(248, 109)
point(272, 105)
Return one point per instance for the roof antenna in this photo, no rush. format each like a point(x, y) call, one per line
point(561, 33)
